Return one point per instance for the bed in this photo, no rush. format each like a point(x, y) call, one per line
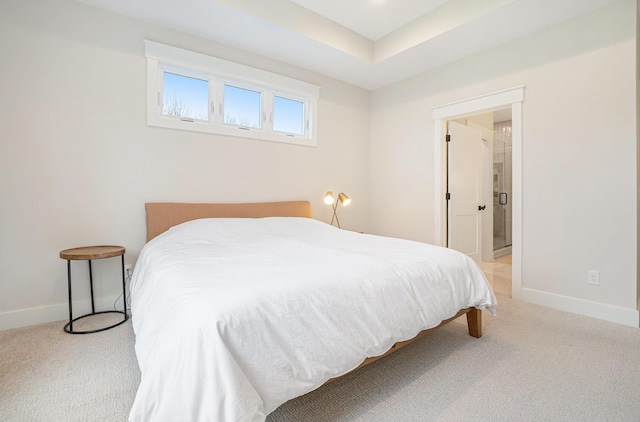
point(238, 308)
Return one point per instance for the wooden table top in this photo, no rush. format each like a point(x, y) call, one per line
point(92, 252)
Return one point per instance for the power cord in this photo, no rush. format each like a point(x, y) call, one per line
point(127, 280)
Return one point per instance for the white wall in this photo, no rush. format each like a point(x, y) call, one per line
point(77, 161)
point(579, 156)
point(638, 138)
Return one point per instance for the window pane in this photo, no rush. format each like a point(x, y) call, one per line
point(288, 115)
point(241, 107)
point(185, 97)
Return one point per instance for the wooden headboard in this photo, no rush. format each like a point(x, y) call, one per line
point(161, 216)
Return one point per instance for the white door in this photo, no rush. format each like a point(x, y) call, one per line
point(465, 189)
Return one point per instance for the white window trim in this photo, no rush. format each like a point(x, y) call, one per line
point(162, 57)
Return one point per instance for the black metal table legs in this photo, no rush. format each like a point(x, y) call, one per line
point(69, 326)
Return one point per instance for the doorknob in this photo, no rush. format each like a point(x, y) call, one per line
point(481, 207)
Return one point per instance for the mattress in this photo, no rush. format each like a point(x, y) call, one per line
point(233, 317)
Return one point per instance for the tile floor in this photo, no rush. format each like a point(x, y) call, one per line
point(498, 272)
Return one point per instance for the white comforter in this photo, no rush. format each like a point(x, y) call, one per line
point(233, 317)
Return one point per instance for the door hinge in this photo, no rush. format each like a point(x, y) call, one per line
point(447, 196)
point(448, 138)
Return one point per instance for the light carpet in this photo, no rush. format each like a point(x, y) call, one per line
point(532, 364)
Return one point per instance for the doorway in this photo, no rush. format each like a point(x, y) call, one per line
point(509, 98)
point(479, 176)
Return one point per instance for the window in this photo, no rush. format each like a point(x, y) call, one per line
point(288, 115)
point(185, 97)
point(241, 107)
point(191, 91)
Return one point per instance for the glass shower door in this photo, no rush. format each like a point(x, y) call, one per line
point(502, 169)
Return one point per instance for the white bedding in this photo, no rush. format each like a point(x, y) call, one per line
point(233, 317)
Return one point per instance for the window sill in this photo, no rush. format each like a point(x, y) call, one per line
point(205, 127)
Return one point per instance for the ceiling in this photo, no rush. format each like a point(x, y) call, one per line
point(367, 43)
point(371, 18)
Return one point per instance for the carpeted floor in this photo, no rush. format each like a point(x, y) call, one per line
point(532, 364)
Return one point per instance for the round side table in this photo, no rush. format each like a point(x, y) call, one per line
point(88, 253)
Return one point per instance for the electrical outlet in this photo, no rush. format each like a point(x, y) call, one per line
point(593, 277)
point(128, 271)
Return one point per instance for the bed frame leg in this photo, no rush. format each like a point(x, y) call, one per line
point(474, 322)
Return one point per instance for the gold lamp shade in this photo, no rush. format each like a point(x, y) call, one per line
point(329, 199)
point(342, 197)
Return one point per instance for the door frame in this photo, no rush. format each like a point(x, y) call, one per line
point(511, 97)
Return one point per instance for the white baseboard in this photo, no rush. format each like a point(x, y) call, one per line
point(58, 312)
point(597, 310)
